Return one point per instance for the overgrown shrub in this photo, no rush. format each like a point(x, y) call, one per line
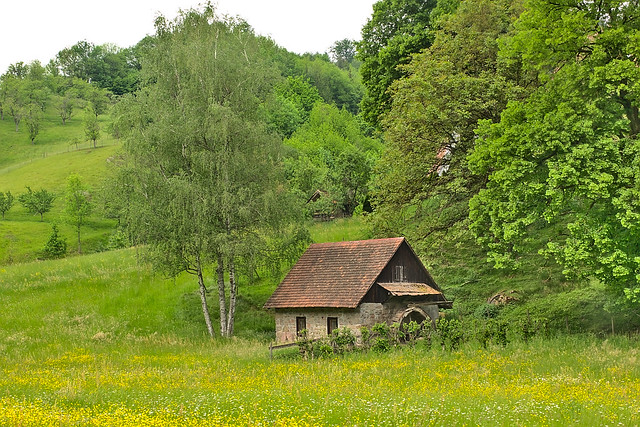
point(395, 335)
point(381, 345)
point(118, 240)
point(305, 344)
point(487, 311)
point(381, 330)
point(528, 328)
point(342, 340)
point(450, 332)
point(426, 333)
point(322, 348)
point(500, 334)
point(484, 334)
point(411, 331)
point(365, 338)
point(380, 337)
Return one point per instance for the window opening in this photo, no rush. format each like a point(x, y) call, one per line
point(332, 323)
point(399, 274)
point(301, 324)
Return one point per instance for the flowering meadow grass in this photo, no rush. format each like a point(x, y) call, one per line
point(98, 340)
point(164, 381)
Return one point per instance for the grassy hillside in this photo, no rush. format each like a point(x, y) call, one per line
point(100, 339)
point(115, 294)
point(537, 290)
point(47, 164)
point(53, 138)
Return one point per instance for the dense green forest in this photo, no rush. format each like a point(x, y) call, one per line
point(499, 137)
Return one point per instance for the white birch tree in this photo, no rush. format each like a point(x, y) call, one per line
point(201, 170)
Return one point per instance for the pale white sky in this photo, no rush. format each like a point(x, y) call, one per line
point(39, 29)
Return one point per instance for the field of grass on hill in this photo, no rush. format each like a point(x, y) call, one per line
point(47, 164)
point(538, 289)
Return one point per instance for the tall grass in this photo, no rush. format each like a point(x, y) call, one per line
point(343, 229)
point(161, 380)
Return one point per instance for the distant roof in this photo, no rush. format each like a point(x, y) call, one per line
point(316, 195)
point(334, 274)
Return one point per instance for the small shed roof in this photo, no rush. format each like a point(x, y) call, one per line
point(409, 289)
point(335, 274)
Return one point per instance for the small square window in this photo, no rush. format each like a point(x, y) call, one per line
point(332, 323)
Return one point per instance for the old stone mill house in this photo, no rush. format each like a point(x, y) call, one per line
point(354, 284)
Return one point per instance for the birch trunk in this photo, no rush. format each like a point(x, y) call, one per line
point(233, 292)
point(203, 300)
point(221, 297)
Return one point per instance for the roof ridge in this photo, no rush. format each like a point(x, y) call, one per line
point(359, 241)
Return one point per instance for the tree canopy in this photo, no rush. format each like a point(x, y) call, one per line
point(567, 156)
point(396, 30)
point(424, 183)
point(332, 154)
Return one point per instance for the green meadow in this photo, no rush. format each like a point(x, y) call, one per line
point(100, 340)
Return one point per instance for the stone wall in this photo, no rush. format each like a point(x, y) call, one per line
point(316, 320)
point(367, 314)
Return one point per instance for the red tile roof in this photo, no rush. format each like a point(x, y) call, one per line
point(334, 274)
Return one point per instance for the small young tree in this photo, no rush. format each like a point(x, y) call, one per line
point(65, 108)
point(78, 204)
point(56, 247)
point(6, 201)
point(91, 125)
point(33, 119)
point(16, 111)
point(37, 202)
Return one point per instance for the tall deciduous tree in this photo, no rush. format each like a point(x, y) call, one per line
point(568, 156)
point(106, 66)
point(424, 183)
point(332, 154)
point(343, 52)
point(203, 173)
point(396, 30)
